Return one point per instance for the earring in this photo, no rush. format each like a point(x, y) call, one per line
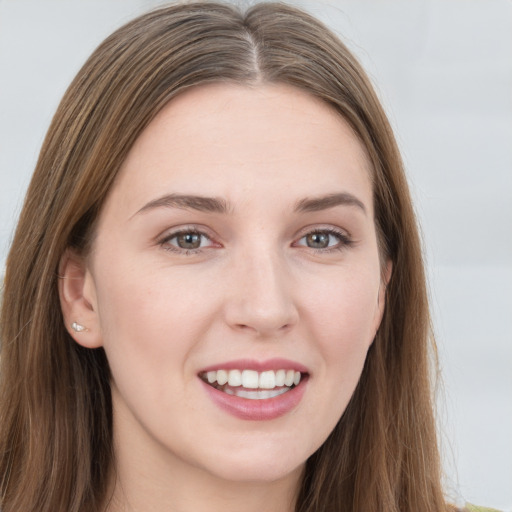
point(78, 328)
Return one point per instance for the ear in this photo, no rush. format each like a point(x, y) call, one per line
point(386, 271)
point(78, 302)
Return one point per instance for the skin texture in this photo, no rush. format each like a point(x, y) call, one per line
point(254, 289)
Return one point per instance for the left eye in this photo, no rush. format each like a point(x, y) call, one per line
point(321, 240)
point(188, 240)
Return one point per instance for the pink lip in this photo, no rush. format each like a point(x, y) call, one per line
point(259, 366)
point(257, 410)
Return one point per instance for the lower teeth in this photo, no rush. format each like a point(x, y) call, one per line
point(255, 394)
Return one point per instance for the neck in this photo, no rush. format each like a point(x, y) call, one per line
point(136, 489)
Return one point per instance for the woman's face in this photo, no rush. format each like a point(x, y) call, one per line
point(237, 243)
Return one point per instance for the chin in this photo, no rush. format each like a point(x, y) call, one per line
point(256, 463)
point(260, 471)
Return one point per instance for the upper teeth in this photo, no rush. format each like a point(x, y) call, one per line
point(252, 379)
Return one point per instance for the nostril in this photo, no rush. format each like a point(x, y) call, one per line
point(261, 330)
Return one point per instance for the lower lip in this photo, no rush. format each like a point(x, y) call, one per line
point(257, 410)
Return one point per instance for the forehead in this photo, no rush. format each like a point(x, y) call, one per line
point(226, 140)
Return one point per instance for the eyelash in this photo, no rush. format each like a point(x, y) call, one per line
point(344, 241)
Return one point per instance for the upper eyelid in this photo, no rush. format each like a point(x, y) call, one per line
point(170, 233)
point(329, 231)
point(342, 237)
point(322, 227)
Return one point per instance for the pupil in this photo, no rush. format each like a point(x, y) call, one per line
point(189, 241)
point(318, 240)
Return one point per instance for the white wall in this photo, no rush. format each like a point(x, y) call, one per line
point(444, 71)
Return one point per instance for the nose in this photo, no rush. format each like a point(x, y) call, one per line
point(260, 299)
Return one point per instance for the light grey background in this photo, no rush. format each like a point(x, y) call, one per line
point(443, 69)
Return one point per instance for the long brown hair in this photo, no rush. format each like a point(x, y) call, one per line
point(55, 403)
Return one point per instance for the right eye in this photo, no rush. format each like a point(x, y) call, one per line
point(325, 240)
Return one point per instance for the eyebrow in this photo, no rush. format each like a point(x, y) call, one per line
point(219, 205)
point(316, 204)
point(188, 202)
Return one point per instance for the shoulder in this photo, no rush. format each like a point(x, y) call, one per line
point(474, 508)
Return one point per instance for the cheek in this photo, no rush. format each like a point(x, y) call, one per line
point(343, 319)
point(149, 329)
point(150, 317)
point(340, 318)
point(344, 310)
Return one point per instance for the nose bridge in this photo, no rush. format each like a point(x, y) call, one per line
point(262, 299)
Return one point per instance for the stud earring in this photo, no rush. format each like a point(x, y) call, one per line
point(78, 328)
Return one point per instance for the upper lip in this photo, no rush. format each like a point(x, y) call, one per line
point(259, 366)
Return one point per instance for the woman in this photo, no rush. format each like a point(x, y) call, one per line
point(215, 297)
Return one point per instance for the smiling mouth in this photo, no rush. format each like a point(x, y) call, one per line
point(252, 384)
